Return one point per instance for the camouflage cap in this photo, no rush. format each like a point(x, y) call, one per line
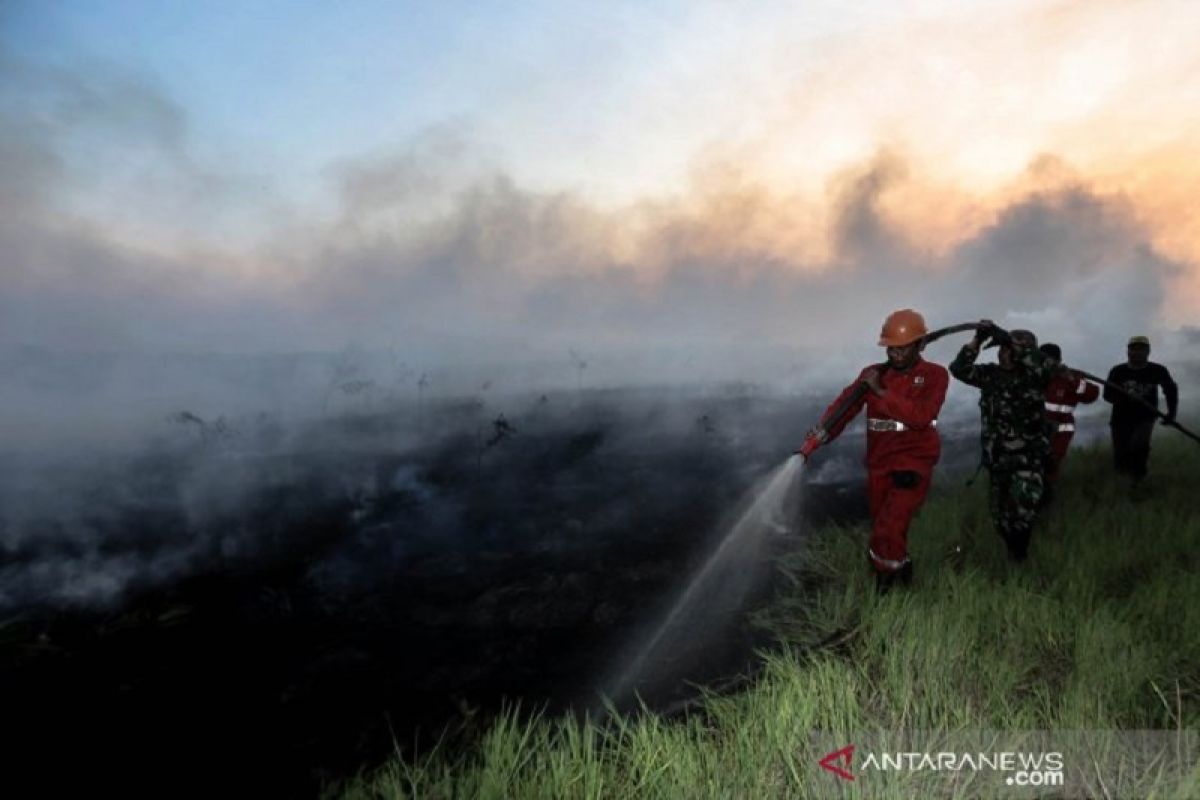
point(1136, 340)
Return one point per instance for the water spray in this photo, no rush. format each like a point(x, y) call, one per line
point(771, 510)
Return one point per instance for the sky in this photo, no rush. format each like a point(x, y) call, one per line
point(269, 177)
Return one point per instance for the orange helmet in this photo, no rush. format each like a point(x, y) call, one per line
point(902, 327)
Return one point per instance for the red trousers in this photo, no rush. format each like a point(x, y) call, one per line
point(894, 498)
point(1059, 444)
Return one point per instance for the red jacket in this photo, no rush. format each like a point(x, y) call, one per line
point(912, 398)
point(1062, 395)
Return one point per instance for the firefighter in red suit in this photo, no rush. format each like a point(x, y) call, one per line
point(1062, 395)
point(902, 439)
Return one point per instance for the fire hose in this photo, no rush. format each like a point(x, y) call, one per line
point(815, 440)
point(1167, 421)
point(998, 336)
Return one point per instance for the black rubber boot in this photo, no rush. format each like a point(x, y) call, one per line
point(1047, 497)
point(1018, 545)
point(884, 581)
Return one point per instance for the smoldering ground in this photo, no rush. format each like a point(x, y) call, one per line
point(261, 598)
point(257, 595)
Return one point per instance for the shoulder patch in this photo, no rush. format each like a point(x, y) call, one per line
point(918, 379)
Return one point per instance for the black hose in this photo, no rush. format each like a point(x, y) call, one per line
point(1170, 423)
point(837, 413)
point(933, 336)
point(998, 333)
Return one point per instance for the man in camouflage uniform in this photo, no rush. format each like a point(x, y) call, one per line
point(1015, 437)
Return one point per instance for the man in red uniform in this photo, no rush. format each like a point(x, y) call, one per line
point(902, 440)
point(1062, 395)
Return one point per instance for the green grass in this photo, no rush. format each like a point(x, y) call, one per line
point(1099, 630)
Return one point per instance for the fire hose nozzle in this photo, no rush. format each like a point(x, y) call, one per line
point(811, 443)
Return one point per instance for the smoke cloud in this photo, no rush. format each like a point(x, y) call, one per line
point(433, 257)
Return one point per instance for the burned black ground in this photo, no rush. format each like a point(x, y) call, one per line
point(288, 609)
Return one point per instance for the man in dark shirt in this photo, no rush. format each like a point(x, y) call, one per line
point(1132, 421)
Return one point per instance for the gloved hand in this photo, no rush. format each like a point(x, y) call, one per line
point(981, 334)
point(815, 437)
point(992, 334)
point(984, 329)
